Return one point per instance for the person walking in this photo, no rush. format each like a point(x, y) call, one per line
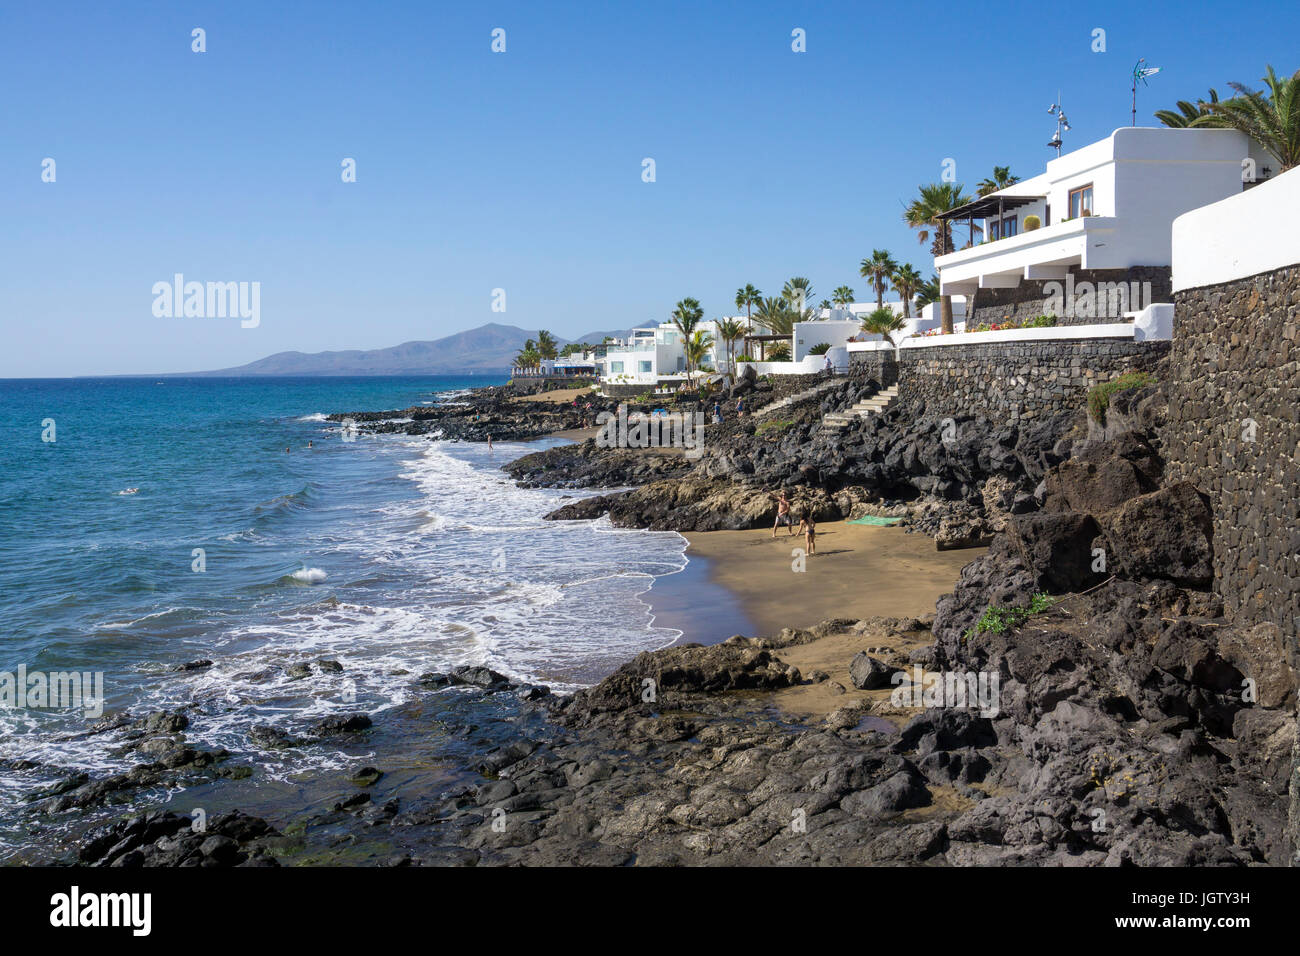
point(783, 516)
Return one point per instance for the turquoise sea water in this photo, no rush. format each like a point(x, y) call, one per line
point(393, 555)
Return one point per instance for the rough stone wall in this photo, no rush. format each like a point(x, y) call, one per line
point(786, 385)
point(1234, 431)
point(879, 366)
point(1028, 300)
point(1019, 380)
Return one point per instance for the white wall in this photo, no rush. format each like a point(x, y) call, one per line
point(1246, 234)
point(832, 332)
point(810, 363)
point(1142, 179)
point(1049, 334)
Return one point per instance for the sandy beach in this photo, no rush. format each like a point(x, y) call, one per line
point(859, 571)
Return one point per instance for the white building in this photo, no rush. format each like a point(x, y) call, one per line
point(1108, 206)
point(657, 354)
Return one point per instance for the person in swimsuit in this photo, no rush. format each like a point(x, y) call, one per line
point(808, 526)
point(782, 514)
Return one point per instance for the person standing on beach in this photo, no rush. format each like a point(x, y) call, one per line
point(808, 527)
point(782, 514)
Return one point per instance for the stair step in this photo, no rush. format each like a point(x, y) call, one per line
point(874, 405)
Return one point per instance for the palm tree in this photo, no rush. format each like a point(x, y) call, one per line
point(775, 315)
point(546, 345)
point(746, 298)
point(824, 304)
point(843, 296)
point(907, 281)
point(686, 316)
point(878, 269)
point(729, 330)
point(927, 292)
point(883, 322)
point(798, 292)
point(922, 214)
point(697, 348)
point(1273, 121)
point(1000, 179)
point(527, 357)
point(1192, 116)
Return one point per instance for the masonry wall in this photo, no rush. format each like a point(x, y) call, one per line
point(1028, 300)
point(1019, 380)
point(1234, 431)
point(878, 365)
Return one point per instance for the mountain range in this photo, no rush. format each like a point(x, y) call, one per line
point(487, 349)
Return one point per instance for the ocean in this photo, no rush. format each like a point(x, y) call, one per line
point(167, 523)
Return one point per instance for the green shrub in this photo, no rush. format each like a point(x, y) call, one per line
point(1042, 322)
point(1032, 222)
point(1099, 395)
point(744, 358)
point(999, 620)
point(779, 353)
point(821, 348)
point(773, 426)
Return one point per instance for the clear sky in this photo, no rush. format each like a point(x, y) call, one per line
point(521, 170)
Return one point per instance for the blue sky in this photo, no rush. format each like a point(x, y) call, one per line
point(521, 170)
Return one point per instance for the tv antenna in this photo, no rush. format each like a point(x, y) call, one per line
point(1141, 72)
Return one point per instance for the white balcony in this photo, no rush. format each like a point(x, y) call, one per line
point(1047, 253)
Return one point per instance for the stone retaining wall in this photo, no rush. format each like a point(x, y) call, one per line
point(1028, 299)
point(1234, 431)
point(879, 366)
point(1019, 380)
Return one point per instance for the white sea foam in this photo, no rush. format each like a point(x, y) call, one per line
point(463, 570)
point(315, 417)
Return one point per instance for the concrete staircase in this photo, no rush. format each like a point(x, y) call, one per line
point(799, 396)
point(877, 403)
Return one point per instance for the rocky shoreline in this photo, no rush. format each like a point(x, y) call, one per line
point(1131, 721)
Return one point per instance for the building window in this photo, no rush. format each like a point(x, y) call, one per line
point(1081, 201)
point(1009, 226)
point(644, 366)
point(670, 338)
point(615, 368)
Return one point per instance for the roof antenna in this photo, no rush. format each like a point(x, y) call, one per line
point(1062, 124)
point(1141, 72)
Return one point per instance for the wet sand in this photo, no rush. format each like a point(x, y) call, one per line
point(859, 571)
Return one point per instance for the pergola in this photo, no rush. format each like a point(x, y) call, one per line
point(986, 207)
point(763, 341)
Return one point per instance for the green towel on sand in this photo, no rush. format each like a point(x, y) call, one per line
point(872, 519)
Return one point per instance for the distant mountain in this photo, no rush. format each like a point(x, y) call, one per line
point(489, 348)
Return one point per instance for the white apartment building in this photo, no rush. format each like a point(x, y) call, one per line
point(1107, 207)
point(656, 354)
